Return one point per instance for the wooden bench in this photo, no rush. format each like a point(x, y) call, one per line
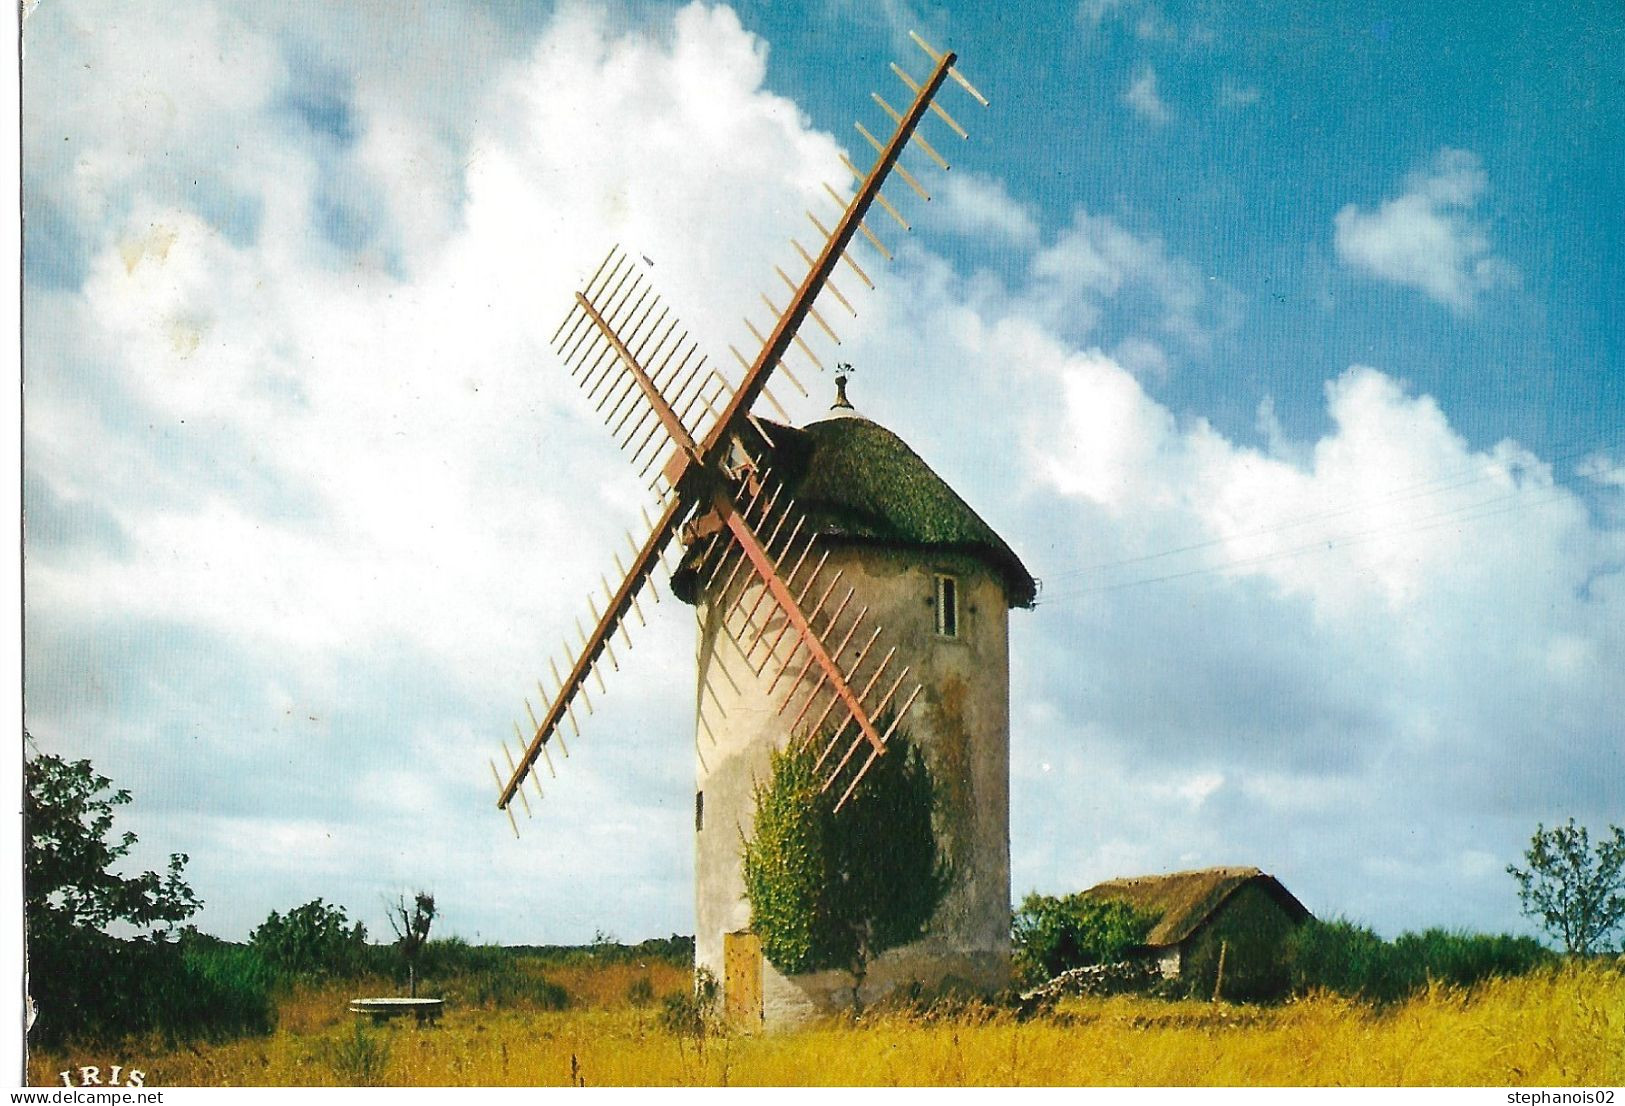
point(382, 1009)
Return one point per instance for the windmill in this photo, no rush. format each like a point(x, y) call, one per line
point(805, 654)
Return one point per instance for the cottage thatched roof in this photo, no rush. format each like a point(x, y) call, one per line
point(856, 481)
point(1185, 900)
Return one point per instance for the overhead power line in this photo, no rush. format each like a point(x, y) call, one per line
point(1474, 474)
point(1518, 500)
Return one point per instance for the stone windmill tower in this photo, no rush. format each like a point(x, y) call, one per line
point(921, 562)
point(766, 522)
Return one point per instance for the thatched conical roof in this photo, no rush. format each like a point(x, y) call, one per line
point(857, 482)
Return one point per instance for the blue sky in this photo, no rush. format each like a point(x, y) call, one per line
point(1282, 341)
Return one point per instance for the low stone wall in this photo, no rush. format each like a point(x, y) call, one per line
point(1123, 977)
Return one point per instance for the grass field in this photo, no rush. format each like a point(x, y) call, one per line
point(1553, 1027)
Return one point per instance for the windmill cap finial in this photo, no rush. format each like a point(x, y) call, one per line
point(843, 373)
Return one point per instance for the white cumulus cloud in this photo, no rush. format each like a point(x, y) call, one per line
point(975, 204)
point(1095, 259)
point(1431, 236)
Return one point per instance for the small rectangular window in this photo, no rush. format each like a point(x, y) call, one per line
point(699, 811)
point(947, 606)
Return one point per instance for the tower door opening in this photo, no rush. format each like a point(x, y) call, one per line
point(742, 978)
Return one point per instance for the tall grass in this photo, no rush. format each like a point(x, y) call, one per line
point(551, 978)
point(232, 991)
point(92, 988)
point(1555, 1026)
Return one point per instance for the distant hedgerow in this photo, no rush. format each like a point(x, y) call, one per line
point(1352, 960)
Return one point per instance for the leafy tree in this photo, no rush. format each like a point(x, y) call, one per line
point(834, 890)
point(1575, 891)
point(87, 983)
point(68, 878)
point(1051, 935)
point(312, 940)
point(411, 924)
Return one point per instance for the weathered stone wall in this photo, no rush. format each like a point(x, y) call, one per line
point(960, 722)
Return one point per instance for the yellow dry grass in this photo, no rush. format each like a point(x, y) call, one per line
point(1561, 1027)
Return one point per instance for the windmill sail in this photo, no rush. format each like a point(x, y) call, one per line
point(618, 604)
point(837, 241)
point(652, 385)
point(660, 396)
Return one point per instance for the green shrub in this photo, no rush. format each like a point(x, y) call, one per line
point(357, 1059)
point(641, 991)
point(834, 889)
point(1342, 957)
point(482, 975)
point(314, 940)
point(676, 949)
point(1052, 935)
point(692, 1013)
point(1453, 956)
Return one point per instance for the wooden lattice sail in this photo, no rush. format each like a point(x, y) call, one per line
point(691, 427)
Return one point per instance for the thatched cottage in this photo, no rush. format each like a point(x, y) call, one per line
point(1239, 916)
